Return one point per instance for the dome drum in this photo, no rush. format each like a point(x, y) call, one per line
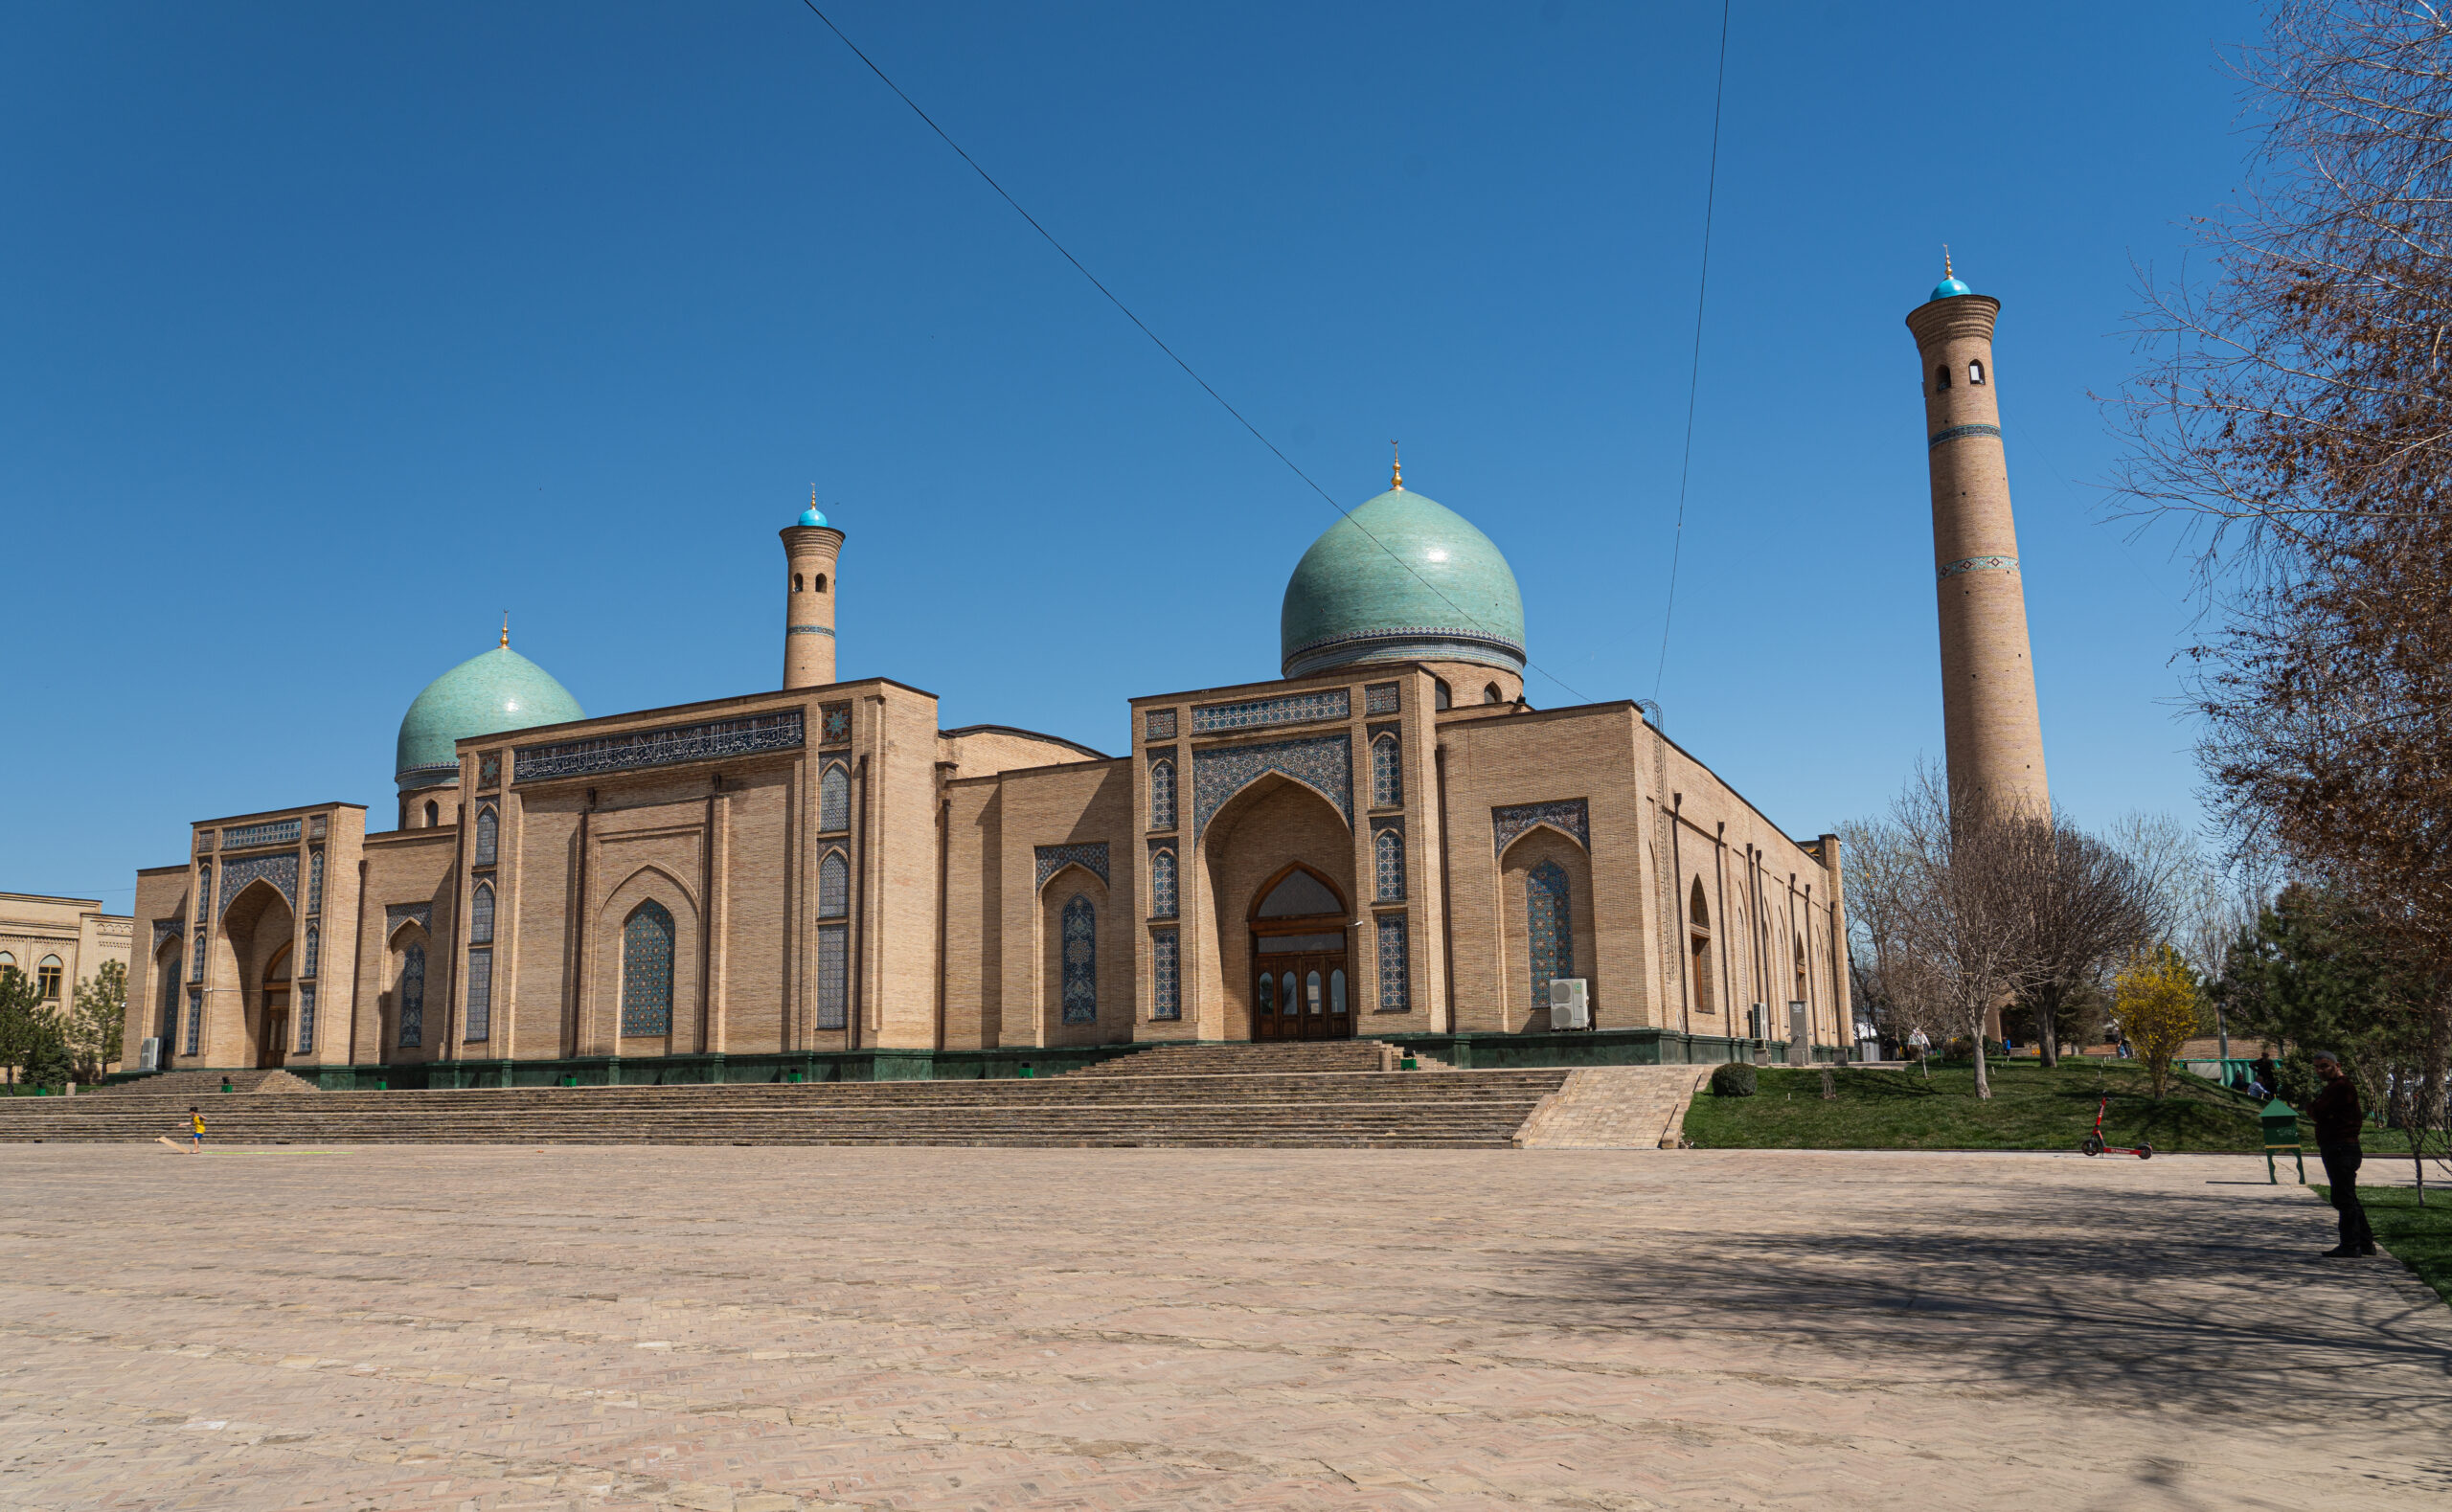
point(1406, 643)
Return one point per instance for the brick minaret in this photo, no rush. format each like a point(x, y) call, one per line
point(1995, 738)
point(808, 620)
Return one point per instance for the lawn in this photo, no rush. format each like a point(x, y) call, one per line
point(2418, 1237)
point(2031, 1108)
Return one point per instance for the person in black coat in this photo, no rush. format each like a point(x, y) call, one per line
point(2267, 1072)
point(2338, 1119)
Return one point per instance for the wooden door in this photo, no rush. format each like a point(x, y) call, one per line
point(1305, 996)
point(275, 1048)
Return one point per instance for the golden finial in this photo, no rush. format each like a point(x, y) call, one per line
point(506, 630)
point(812, 496)
point(1397, 468)
point(1946, 271)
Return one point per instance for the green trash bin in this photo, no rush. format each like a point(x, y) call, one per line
point(2282, 1132)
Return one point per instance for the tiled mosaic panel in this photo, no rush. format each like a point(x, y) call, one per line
point(481, 996)
point(646, 971)
point(1080, 948)
point(314, 951)
point(1548, 917)
point(1162, 791)
point(1387, 773)
point(1324, 762)
point(393, 913)
point(490, 769)
point(412, 993)
point(315, 880)
point(195, 1020)
point(1293, 708)
point(1571, 814)
point(1158, 724)
point(1379, 698)
point(203, 890)
point(195, 961)
point(164, 929)
point(713, 740)
point(1161, 884)
point(306, 1019)
point(274, 832)
point(1053, 859)
point(1165, 975)
point(834, 724)
point(1388, 854)
point(833, 975)
point(1394, 990)
point(281, 869)
point(834, 885)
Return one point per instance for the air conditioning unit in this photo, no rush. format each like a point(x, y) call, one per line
point(148, 1055)
point(1569, 1008)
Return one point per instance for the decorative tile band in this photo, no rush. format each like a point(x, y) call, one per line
point(1379, 698)
point(1572, 815)
point(1259, 714)
point(1979, 564)
point(280, 869)
point(1158, 724)
point(1324, 763)
point(394, 912)
point(277, 832)
point(812, 629)
point(714, 740)
point(1957, 431)
point(1090, 853)
point(834, 724)
point(1404, 646)
point(164, 929)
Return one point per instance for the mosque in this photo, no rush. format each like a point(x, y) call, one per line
point(1384, 840)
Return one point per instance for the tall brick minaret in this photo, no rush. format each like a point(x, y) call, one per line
point(1995, 736)
point(809, 617)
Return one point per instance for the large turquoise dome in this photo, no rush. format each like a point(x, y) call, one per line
point(482, 695)
point(1403, 579)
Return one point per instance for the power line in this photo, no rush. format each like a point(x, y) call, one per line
point(1694, 373)
point(989, 180)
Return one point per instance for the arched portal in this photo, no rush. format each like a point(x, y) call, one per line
point(1302, 983)
point(272, 1018)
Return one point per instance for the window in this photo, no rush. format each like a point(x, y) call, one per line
point(1705, 1001)
point(1162, 794)
point(796, 582)
point(1165, 991)
point(433, 814)
point(196, 1019)
point(1336, 991)
point(1548, 917)
point(833, 975)
point(1441, 696)
point(488, 831)
point(646, 971)
point(314, 950)
point(1393, 991)
point(306, 1019)
point(411, 992)
point(1940, 378)
point(1387, 773)
point(1698, 913)
point(47, 979)
point(1080, 954)
point(834, 797)
point(1975, 372)
point(481, 915)
point(203, 889)
point(8, 958)
point(480, 995)
point(1388, 848)
point(169, 1019)
point(315, 880)
point(1161, 885)
point(1491, 695)
point(818, 584)
point(835, 886)
point(196, 959)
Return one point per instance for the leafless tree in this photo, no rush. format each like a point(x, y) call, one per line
point(2091, 907)
point(1969, 861)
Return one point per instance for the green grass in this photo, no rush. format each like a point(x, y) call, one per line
point(2031, 1108)
point(2418, 1237)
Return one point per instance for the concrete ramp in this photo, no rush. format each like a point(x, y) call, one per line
point(1615, 1108)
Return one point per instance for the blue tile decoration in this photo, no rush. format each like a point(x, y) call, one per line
point(489, 839)
point(1162, 882)
point(1158, 724)
point(1080, 959)
point(164, 929)
point(1548, 917)
point(316, 828)
point(716, 739)
point(1165, 975)
point(490, 769)
point(412, 994)
point(1979, 564)
point(196, 961)
point(306, 1020)
point(833, 973)
point(196, 1019)
point(834, 724)
point(1162, 788)
point(393, 913)
point(1324, 763)
point(1090, 853)
point(1388, 856)
point(1387, 773)
point(812, 629)
point(280, 869)
point(1572, 815)
point(1381, 698)
point(481, 996)
point(646, 971)
point(1293, 708)
point(835, 884)
point(203, 890)
point(273, 832)
point(314, 952)
point(1955, 431)
point(315, 880)
point(833, 799)
point(1394, 990)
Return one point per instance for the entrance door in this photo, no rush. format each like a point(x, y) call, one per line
point(1303, 996)
point(276, 1046)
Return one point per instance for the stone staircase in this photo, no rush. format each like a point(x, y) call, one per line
point(1367, 1109)
point(1243, 1059)
point(201, 1083)
point(1616, 1108)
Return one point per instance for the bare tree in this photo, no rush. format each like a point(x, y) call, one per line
point(2091, 907)
point(1969, 863)
point(1888, 978)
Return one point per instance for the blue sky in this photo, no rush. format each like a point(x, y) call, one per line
point(335, 330)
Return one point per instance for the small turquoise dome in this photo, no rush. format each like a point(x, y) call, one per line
point(1951, 287)
point(810, 516)
point(482, 695)
point(1403, 579)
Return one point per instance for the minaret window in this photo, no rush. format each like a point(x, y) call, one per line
point(433, 814)
point(1940, 378)
point(796, 582)
point(818, 585)
point(1975, 372)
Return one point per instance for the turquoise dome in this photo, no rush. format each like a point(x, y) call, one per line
point(482, 695)
point(1403, 579)
point(1951, 287)
point(810, 516)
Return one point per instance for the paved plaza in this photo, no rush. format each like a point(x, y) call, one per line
point(764, 1329)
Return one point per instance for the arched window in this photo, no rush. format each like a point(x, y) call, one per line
point(646, 971)
point(1440, 696)
point(1162, 794)
point(1975, 372)
point(1337, 990)
point(315, 942)
point(1166, 994)
point(7, 957)
point(1698, 913)
point(203, 889)
point(833, 975)
point(1080, 957)
point(47, 979)
point(1161, 885)
point(433, 814)
point(1387, 773)
point(1940, 378)
point(834, 797)
point(481, 915)
point(196, 961)
point(818, 584)
point(1491, 695)
point(1549, 918)
point(796, 582)
point(171, 994)
point(488, 835)
point(1388, 854)
point(412, 997)
point(834, 885)
point(315, 880)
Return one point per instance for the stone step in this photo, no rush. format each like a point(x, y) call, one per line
point(1238, 1059)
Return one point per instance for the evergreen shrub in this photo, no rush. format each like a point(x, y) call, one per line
point(1735, 1079)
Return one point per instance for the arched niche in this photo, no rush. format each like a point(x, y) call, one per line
point(607, 941)
point(1544, 846)
point(1075, 912)
point(1273, 824)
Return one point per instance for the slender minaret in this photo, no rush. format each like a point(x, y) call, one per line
point(811, 547)
point(1995, 736)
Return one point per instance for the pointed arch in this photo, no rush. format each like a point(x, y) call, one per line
point(1164, 897)
point(480, 914)
point(1387, 771)
point(1698, 908)
point(1297, 899)
point(409, 992)
point(835, 884)
point(834, 797)
point(1081, 957)
point(1162, 794)
point(314, 951)
point(489, 836)
point(646, 971)
point(1549, 925)
point(1388, 865)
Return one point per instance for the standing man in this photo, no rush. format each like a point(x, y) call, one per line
point(2338, 1118)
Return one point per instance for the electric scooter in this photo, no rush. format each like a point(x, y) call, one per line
point(2093, 1144)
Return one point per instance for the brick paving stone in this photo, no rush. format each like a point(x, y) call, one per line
point(782, 1329)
